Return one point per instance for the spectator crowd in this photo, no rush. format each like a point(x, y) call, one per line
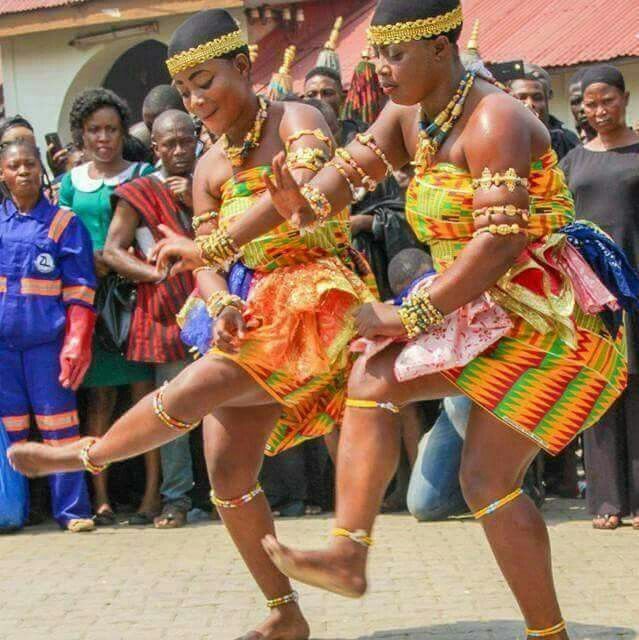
point(129, 184)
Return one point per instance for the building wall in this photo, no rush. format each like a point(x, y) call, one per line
point(43, 74)
point(560, 105)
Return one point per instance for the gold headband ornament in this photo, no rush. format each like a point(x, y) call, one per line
point(386, 34)
point(207, 51)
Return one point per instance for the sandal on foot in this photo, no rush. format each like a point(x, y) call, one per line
point(606, 522)
point(172, 517)
point(142, 519)
point(80, 525)
point(105, 518)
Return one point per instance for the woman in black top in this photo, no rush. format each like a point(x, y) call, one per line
point(603, 176)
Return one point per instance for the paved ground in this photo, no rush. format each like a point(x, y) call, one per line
point(428, 581)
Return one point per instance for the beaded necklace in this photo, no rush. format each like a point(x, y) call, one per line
point(432, 134)
point(238, 155)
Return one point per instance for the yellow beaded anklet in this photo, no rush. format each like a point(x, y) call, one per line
point(280, 602)
point(89, 465)
point(360, 536)
point(237, 502)
point(372, 404)
point(172, 423)
point(544, 633)
point(498, 504)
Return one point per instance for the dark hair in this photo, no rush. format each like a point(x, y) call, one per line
point(23, 144)
point(327, 72)
point(14, 121)
point(406, 266)
point(204, 27)
point(396, 11)
point(576, 77)
point(90, 101)
point(606, 74)
point(162, 98)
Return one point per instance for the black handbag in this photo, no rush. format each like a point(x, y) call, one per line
point(115, 302)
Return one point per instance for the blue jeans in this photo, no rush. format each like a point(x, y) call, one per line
point(177, 466)
point(434, 491)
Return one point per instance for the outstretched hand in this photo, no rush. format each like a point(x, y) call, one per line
point(175, 253)
point(286, 195)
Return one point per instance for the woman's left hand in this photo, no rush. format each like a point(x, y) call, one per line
point(379, 319)
point(175, 252)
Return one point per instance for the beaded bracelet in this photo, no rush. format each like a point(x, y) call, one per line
point(218, 249)
point(319, 204)
point(307, 158)
point(342, 172)
point(220, 300)
point(500, 230)
point(368, 140)
point(89, 465)
point(198, 221)
point(510, 180)
point(318, 134)
point(172, 423)
point(418, 313)
point(369, 183)
point(509, 210)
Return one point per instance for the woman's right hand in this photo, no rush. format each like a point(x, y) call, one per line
point(230, 329)
point(286, 195)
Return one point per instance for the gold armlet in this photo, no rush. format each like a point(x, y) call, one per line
point(198, 221)
point(510, 180)
point(342, 172)
point(509, 210)
point(319, 204)
point(220, 300)
point(418, 313)
point(207, 268)
point(218, 249)
point(309, 158)
point(369, 183)
point(368, 140)
point(501, 230)
point(318, 134)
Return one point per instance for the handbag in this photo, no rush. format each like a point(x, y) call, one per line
point(115, 302)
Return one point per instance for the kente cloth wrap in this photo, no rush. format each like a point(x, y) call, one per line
point(559, 369)
point(304, 291)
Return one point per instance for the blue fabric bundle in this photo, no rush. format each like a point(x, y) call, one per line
point(198, 326)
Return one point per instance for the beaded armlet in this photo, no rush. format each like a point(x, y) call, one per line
point(510, 180)
point(198, 221)
point(367, 181)
point(309, 158)
point(318, 134)
point(368, 140)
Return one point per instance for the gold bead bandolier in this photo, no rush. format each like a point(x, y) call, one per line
point(433, 134)
point(238, 155)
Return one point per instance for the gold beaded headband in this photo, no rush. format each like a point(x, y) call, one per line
point(383, 35)
point(207, 51)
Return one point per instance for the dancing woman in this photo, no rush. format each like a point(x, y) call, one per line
point(489, 199)
point(279, 366)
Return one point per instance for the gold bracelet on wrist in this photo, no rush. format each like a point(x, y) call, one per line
point(342, 172)
point(418, 313)
point(368, 140)
point(319, 204)
point(198, 221)
point(220, 300)
point(369, 183)
point(218, 249)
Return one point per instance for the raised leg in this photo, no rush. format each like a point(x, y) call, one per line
point(368, 454)
point(494, 463)
point(234, 441)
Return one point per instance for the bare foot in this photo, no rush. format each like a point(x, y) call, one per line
point(33, 459)
point(340, 569)
point(284, 623)
point(606, 522)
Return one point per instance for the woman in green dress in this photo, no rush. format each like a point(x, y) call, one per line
point(99, 122)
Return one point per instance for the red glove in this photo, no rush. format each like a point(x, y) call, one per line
point(75, 356)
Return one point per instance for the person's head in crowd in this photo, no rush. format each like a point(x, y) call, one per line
point(404, 175)
point(138, 144)
point(576, 98)
point(217, 90)
point(157, 101)
point(21, 172)
point(100, 121)
point(605, 99)
point(534, 89)
point(327, 111)
point(325, 84)
point(75, 157)
point(16, 128)
point(175, 142)
point(406, 267)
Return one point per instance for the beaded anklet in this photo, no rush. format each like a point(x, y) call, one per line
point(360, 536)
point(237, 502)
point(172, 423)
point(498, 504)
point(280, 602)
point(89, 465)
point(544, 633)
